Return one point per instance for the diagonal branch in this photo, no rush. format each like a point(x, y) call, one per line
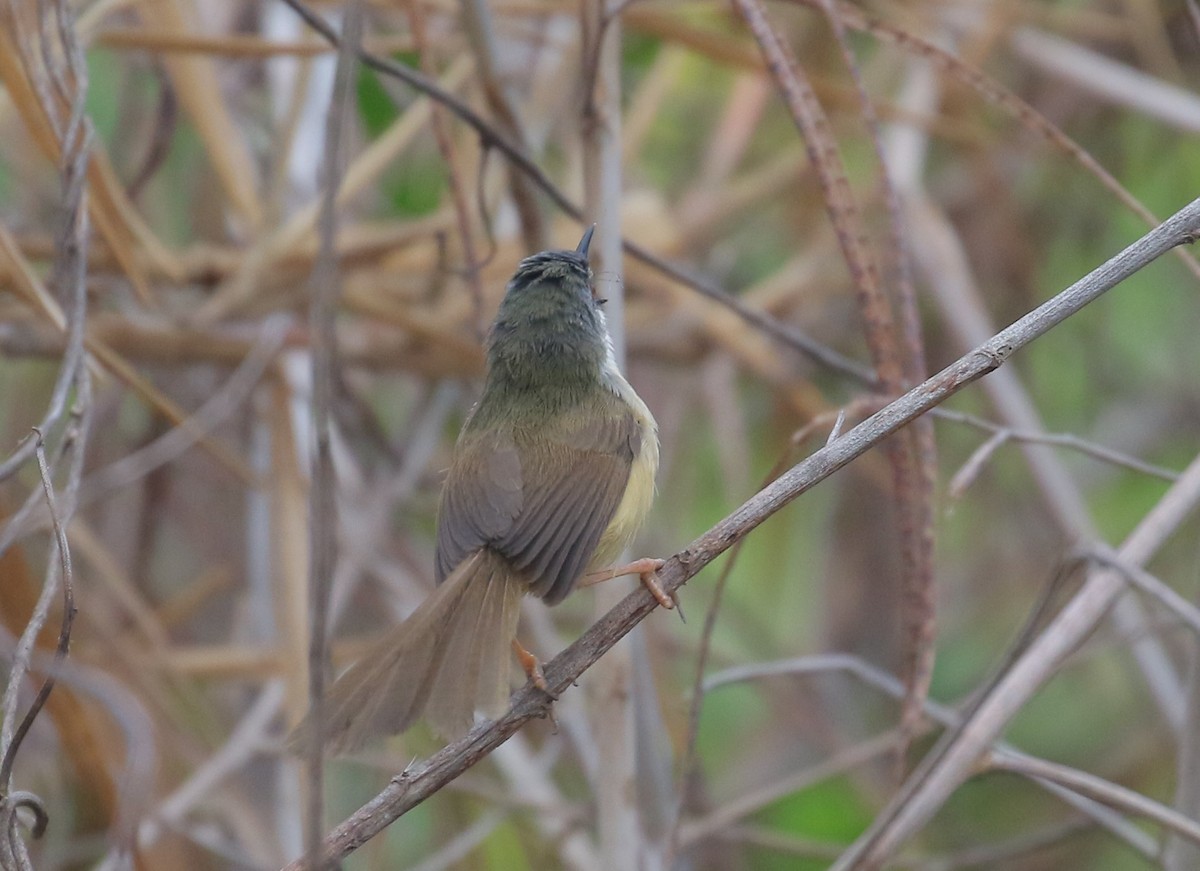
point(414, 785)
point(955, 758)
point(912, 457)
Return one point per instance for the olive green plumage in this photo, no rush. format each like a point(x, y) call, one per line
point(544, 458)
point(551, 476)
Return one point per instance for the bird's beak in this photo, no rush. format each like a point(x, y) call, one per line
point(586, 241)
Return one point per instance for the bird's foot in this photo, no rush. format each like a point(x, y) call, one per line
point(646, 569)
point(533, 668)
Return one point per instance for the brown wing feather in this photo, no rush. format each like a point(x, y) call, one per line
point(541, 497)
point(481, 498)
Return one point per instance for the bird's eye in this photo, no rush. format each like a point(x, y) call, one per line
point(601, 300)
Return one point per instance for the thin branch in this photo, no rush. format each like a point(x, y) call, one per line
point(481, 33)
point(413, 786)
point(912, 457)
point(970, 470)
point(214, 411)
point(35, 622)
point(915, 475)
point(889, 685)
point(711, 824)
point(1063, 440)
point(786, 334)
point(954, 759)
point(445, 144)
point(13, 854)
point(458, 848)
point(821, 146)
point(322, 510)
point(1178, 855)
point(612, 703)
point(986, 855)
point(61, 61)
point(1098, 789)
point(1006, 851)
point(944, 263)
point(999, 96)
point(1148, 584)
point(699, 685)
point(71, 255)
point(1110, 80)
point(137, 732)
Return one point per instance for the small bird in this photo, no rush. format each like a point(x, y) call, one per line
point(551, 477)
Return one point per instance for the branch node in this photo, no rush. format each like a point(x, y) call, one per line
point(997, 354)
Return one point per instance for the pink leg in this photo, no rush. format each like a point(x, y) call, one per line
point(532, 666)
point(645, 568)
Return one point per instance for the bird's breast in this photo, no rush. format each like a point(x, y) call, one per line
point(639, 491)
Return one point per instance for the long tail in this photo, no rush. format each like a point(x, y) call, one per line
point(448, 659)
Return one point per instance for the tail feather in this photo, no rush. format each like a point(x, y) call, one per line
point(449, 658)
point(474, 673)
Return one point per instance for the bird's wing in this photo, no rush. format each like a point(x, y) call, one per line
point(540, 497)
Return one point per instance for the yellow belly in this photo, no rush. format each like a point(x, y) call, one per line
point(639, 492)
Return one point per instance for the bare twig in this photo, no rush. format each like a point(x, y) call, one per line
point(998, 95)
point(481, 31)
point(612, 704)
point(410, 788)
point(914, 472)
point(886, 683)
point(1102, 453)
point(1178, 853)
point(943, 261)
point(785, 334)
point(1148, 584)
point(911, 457)
point(58, 572)
point(969, 471)
point(1109, 79)
point(75, 139)
point(138, 734)
point(13, 854)
point(843, 211)
point(59, 63)
point(711, 824)
point(215, 410)
point(699, 685)
point(166, 119)
point(688, 762)
point(463, 843)
point(1098, 789)
point(445, 143)
point(35, 623)
point(322, 508)
point(953, 761)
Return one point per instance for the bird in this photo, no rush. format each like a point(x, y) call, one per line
point(551, 477)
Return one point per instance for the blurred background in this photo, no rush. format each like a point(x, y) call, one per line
point(1021, 141)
